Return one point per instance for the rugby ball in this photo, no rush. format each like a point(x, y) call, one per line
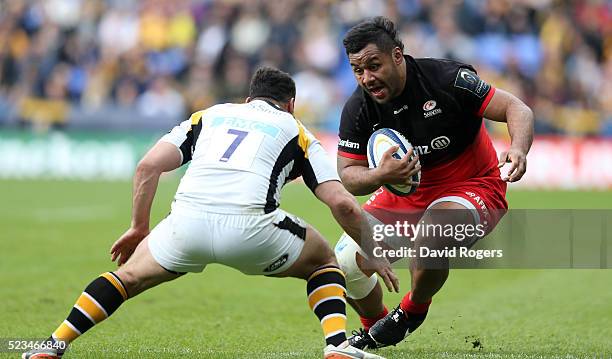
point(378, 144)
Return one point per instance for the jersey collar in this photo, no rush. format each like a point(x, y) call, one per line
point(277, 107)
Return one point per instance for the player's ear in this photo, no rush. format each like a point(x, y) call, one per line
point(291, 105)
point(248, 99)
point(398, 55)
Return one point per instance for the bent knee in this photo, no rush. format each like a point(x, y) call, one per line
point(326, 257)
point(126, 277)
point(131, 281)
point(320, 252)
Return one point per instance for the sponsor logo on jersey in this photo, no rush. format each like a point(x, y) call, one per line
point(349, 144)
point(429, 105)
point(433, 112)
point(430, 109)
point(405, 107)
point(439, 143)
point(422, 150)
point(277, 263)
point(245, 124)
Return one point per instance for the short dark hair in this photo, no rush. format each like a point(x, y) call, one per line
point(378, 30)
point(272, 83)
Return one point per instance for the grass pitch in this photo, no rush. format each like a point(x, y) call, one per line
point(55, 239)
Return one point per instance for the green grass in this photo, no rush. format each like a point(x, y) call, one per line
point(55, 238)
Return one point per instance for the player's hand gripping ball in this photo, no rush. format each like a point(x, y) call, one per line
point(378, 144)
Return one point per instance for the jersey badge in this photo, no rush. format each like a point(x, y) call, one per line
point(430, 109)
point(468, 80)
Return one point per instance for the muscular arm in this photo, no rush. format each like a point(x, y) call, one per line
point(163, 157)
point(345, 209)
point(361, 180)
point(357, 177)
point(350, 216)
point(505, 107)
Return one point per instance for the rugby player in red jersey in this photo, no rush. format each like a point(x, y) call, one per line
point(439, 106)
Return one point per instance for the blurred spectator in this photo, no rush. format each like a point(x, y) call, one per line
point(164, 58)
point(161, 100)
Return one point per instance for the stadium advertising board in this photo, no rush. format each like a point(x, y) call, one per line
point(553, 162)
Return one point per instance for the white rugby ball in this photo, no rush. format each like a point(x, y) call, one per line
point(378, 144)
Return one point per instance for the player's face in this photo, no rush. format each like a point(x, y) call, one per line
point(378, 73)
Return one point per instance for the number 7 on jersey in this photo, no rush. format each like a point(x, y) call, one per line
point(240, 135)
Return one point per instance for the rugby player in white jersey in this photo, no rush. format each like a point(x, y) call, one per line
point(226, 211)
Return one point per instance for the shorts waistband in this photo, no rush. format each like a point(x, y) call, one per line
point(203, 211)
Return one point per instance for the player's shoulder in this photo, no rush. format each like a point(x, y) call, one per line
point(222, 107)
point(442, 71)
point(265, 115)
point(436, 65)
point(206, 111)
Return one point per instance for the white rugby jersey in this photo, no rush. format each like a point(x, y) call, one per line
point(242, 155)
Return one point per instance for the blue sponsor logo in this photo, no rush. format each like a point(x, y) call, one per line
point(340, 245)
point(249, 125)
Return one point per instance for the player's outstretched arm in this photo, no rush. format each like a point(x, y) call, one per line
point(163, 157)
point(361, 180)
point(350, 216)
point(505, 107)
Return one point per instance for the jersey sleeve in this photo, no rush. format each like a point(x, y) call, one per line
point(182, 137)
point(473, 93)
point(353, 130)
point(185, 135)
point(317, 166)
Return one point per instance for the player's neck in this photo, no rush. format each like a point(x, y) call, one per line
point(402, 82)
point(403, 75)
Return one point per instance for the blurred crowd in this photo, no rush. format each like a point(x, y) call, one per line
point(162, 59)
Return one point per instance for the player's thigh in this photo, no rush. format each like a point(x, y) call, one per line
point(182, 242)
point(444, 224)
point(451, 212)
point(442, 229)
point(266, 244)
point(142, 271)
point(484, 205)
point(315, 253)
